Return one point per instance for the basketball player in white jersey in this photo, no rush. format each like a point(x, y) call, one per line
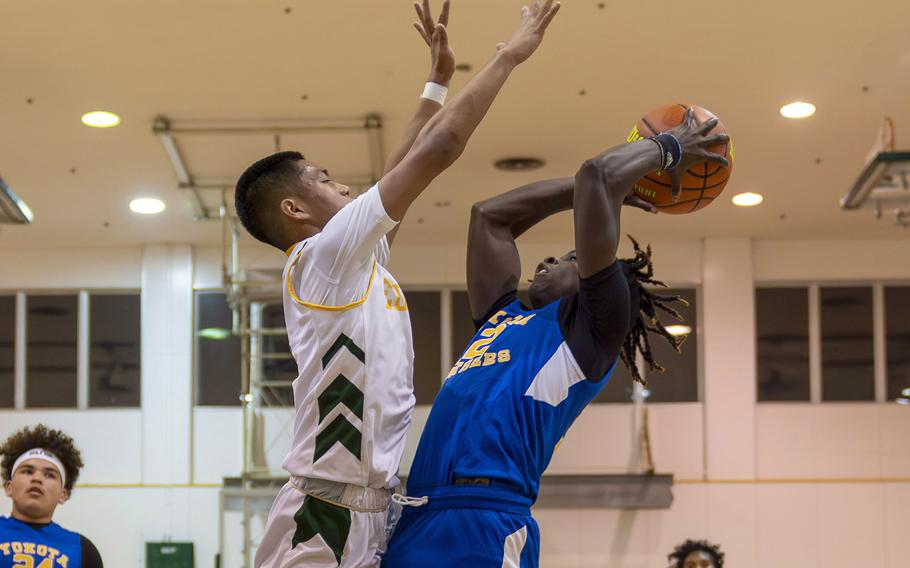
point(346, 317)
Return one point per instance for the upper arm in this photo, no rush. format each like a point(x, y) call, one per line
point(91, 558)
point(595, 322)
point(597, 220)
point(494, 266)
point(350, 238)
point(426, 159)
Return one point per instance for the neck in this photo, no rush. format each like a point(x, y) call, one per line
point(25, 518)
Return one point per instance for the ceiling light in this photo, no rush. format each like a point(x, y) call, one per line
point(798, 109)
point(747, 199)
point(147, 205)
point(678, 329)
point(903, 401)
point(518, 164)
point(100, 119)
point(216, 333)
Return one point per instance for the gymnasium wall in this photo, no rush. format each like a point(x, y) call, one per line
point(777, 484)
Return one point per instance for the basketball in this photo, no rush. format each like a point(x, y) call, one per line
point(701, 183)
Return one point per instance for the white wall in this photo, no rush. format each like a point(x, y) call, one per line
point(779, 485)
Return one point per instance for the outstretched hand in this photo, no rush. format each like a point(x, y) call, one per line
point(435, 35)
point(633, 200)
point(526, 39)
point(694, 140)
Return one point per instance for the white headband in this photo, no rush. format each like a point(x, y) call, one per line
point(40, 454)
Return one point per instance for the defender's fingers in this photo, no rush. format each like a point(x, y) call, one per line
point(550, 15)
point(442, 36)
point(676, 188)
point(444, 15)
point(427, 14)
point(423, 34)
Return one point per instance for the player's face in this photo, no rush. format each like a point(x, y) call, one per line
point(553, 279)
point(324, 196)
point(698, 559)
point(36, 489)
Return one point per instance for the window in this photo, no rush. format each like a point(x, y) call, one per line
point(897, 331)
point(217, 352)
point(114, 352)
point(7, 350)
point(278, 365)
point(424, 309)
point(848, 368)
point(51, 351)
point(782, 322)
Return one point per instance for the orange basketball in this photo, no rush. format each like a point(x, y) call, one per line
point(701, 183)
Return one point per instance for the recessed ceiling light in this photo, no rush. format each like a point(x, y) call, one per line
point(147, 205)
point(799, 109)
point(903, 401)
point(905, 392)
point(747, 199)
point(518, 164)
point(100, 119)
point(679, 329)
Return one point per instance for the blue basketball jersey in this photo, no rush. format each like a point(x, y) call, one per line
point(48, 546)
point(505, 405)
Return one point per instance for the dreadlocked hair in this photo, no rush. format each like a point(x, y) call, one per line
point(679, 554)
point(640, 271)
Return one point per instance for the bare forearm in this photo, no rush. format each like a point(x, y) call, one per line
point(525, 206)
point(456, 122)
point(601, 185)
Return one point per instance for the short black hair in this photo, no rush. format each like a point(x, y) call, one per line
point(258, 182)
point(54, 441)
point(678, 556)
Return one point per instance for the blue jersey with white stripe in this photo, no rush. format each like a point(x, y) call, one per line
point(505, 405)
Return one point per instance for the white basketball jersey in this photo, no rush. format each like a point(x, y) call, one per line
point(350, 333)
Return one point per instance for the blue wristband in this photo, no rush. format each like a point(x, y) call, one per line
point(671, 150)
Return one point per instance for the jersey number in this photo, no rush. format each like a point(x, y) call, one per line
point(26, 561)
point(394, 299)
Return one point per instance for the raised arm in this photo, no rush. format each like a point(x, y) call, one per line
point(445, 135)
point(493, 263)
point(442, 67)
point(605, 182)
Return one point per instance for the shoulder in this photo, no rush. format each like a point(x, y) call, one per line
point(91, 558)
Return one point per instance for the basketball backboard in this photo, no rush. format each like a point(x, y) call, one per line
point(13, 209)
point(884, 182)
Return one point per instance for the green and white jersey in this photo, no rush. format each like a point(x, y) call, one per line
point(350, 334)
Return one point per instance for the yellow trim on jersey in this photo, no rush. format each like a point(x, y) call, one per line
point(288, 252)
point(354, 304)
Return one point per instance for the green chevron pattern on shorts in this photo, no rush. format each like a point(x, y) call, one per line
point(329, 521)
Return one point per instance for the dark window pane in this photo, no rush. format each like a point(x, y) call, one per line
point(619, 387)
point(51, 351)
point(848, 371)
point(680, 382)
point(217, 352)
point(897, 326)
point(114, 355)
point(277, 362)
point(425, 324)
point(462, 324)
point(782, 330)
point(7, 350)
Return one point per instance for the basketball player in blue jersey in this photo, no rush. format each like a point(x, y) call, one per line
point(530, 371)
point(39, 469)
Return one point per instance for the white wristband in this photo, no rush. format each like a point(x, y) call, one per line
point(435, 92)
